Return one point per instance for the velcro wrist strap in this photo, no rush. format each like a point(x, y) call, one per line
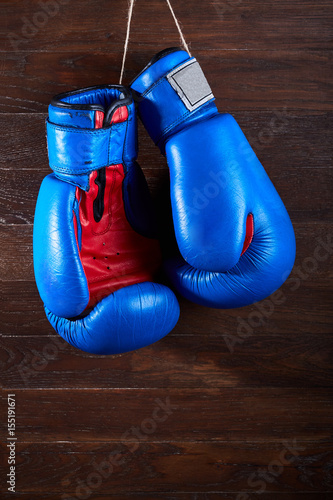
point(173, 98)
point(78, 151)
point(190, 83)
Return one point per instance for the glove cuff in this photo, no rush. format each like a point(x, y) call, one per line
point(171, 89)
point(75, 147)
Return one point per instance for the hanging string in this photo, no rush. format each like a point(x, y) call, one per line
point(179, 28)
point(130, 12)
point(129, 19)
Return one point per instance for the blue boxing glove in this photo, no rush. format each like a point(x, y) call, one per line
point(95, 250)
point(234, 234)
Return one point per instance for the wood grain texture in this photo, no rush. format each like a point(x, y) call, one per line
point(180, 495)
point(227, 414)
point(188, 361)
point(23, 313)
point(175, 495)
point(261, 79)
point(180, 465)
point(244, 383)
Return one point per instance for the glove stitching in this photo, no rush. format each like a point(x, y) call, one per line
point(124, 151)
point(82, 131)
point(178, 120)
point(67, 170)
point(173, 124)
point(182, 117)
point(156, 84)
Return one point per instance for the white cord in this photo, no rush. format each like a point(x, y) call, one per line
point(178, 27)
point(130, 12)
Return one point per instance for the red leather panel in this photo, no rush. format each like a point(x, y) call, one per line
point(120, 115)
point(99, 117)
point(113, 255)
point(249, 233)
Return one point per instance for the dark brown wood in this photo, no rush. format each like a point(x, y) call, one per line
point(259, 25)
point(24, 316)
point(23, 313)
point(227, 414)
point(179, 360)
point(261, 79)
point(224, 466)
point(175, 495)
point(246, 382)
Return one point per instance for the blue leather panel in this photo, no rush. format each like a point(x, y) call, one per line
point(161, 109)
point(261, 270)
point(103, 96)
point(173, 114)
point(130, 318)
point(205, 112)
point(157, 124)
point(159, 69)
point(58, 270)
point(130, 148)
point(72, 117)
point(210, 207)
point(75, 151)
point(214, 186)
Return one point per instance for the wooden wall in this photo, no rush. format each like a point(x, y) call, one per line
point(247, 416)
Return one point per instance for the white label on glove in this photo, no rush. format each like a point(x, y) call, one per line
point(190, 84)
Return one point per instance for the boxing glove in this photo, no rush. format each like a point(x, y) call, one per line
point(234, 234)
point(95, 250)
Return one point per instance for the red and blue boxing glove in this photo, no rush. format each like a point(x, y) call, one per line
point(94, 242)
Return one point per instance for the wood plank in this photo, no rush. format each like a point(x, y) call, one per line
point(246, 80)
point(244, 382)
point(26, 86)
point(302, 177)
point(175, 466)
point(221, 415)
point(29, 26)
point(215, 24)
point(179, 495)
point(277, 360)
point(232, 24)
